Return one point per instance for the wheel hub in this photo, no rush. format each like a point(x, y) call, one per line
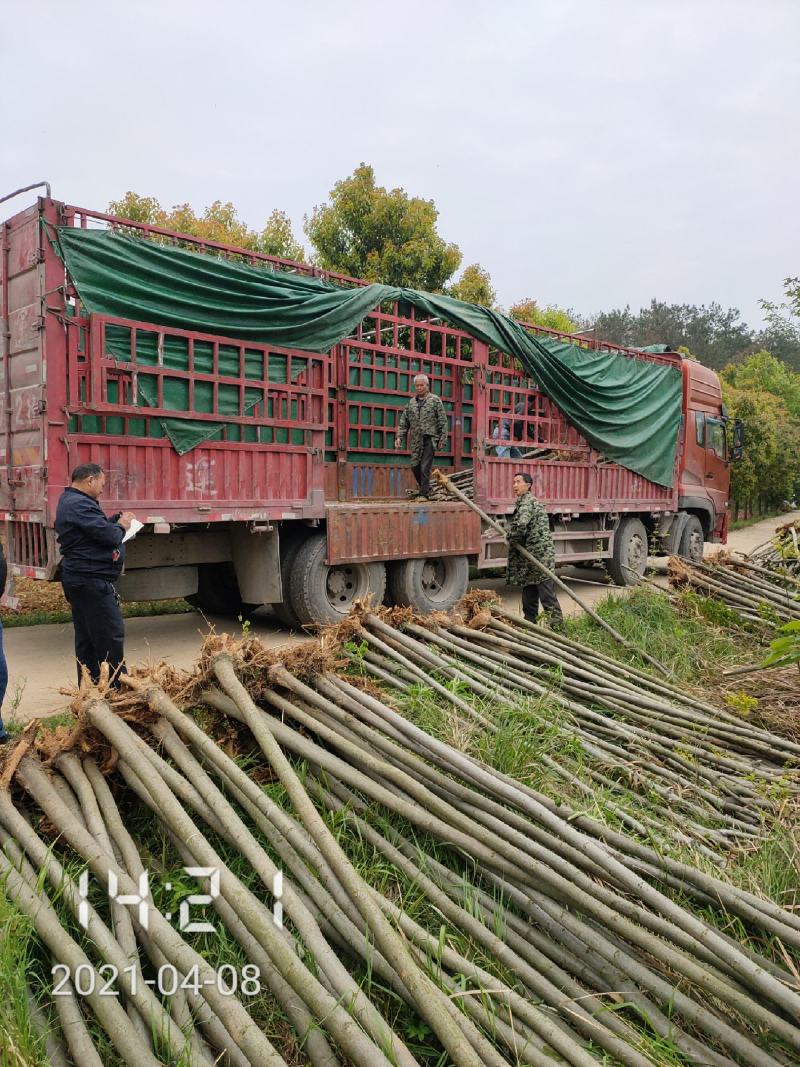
point(432, 577)
point(637, 554)
point(341, 586)
point(695, 546)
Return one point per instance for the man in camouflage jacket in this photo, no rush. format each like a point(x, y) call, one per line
point(425, 420)
point(529, 528)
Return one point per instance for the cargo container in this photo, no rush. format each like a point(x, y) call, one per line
point(292, 493)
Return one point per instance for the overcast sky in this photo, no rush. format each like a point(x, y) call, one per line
point(589, 154)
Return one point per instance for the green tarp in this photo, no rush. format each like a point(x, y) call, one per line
point(628, 409)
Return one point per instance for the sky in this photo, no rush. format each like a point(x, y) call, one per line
point(589, 155)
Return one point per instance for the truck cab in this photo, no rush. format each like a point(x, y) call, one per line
point(704, 466)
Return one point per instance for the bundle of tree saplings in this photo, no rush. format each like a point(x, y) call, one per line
point(696, 773)
point(465, 479)
point(331, 913)
point(562, 909)
point(768, 596)
point(781, 554)
point(416, 883)
point(124, 982)
point(770, 696)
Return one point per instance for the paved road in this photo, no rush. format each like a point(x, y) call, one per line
point(40, 658)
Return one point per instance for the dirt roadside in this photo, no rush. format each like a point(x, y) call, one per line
point(40, 658)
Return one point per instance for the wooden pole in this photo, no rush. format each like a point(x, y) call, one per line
point(442, 479)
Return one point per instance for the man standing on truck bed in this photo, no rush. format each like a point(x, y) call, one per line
point(92, 558)
point(529, 527)
point(424, 417)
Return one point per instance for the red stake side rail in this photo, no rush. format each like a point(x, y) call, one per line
point(86, 219)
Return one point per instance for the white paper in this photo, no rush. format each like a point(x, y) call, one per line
point(135, 527)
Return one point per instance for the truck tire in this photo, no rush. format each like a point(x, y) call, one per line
point(284, 612)
point(629, 553)
point(322, 594)
point(218, 591)
point(690, 545)
point(433, 584)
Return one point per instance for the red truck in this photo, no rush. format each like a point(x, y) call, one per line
point(293, 493)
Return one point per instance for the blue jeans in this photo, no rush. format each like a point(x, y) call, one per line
point(3, 677)
point(503, 433)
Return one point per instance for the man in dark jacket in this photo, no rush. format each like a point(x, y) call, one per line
point(425, 420)
point(92, 559)
point(529, 527)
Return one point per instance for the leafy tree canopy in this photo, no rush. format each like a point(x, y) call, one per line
point(715, 335)
point(552, 317)
point(381, 235)
point(769, 471)
point(764, 393)
point(371, 232)
point(474, 286)
point(762, 372)
point(218, 222)
point(782, 334)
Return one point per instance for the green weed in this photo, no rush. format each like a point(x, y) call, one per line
point(142, 609)
point(649, 622)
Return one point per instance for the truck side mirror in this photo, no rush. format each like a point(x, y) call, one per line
point(738, 441)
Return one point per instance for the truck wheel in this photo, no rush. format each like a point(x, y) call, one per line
point(629, 557)
point(322, 594)
point(284, 612)
point(427, 585)
point(218, 591)
point(690, 545)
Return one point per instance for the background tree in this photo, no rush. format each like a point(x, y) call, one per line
point(552, 317)
point(138, 208)
point(763, 372)
point(474, 286)
point(768, 473)
point(764, 393)
point(278, 239)
point(715, 335)
point(782, 333)
point(218, 222)
point(381, 235)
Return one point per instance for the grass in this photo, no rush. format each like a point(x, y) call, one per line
point(42, 602)
point(693, 640)
point(742, 524)
point(52, 722)
point(136, 610)
point(20, 1045)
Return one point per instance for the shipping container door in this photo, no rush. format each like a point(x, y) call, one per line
point(22, 371)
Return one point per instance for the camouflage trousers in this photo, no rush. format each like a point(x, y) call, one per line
point(544, 593)
point(422, 467)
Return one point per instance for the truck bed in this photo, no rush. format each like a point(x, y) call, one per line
point(290, 435)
